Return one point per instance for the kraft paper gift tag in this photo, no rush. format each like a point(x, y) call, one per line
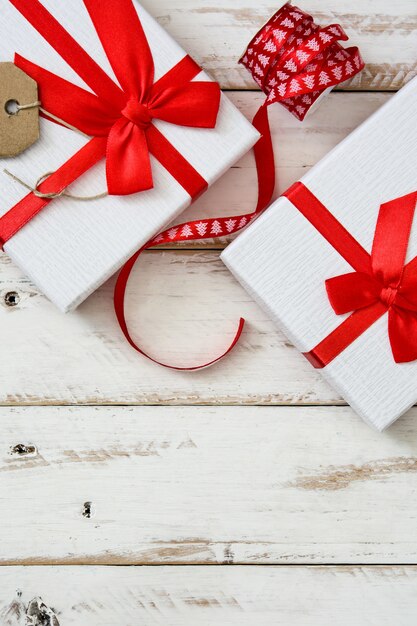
point(19, 111)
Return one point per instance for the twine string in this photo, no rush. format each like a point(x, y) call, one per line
point(50, 196)
point(35, 189)
point(24, 107)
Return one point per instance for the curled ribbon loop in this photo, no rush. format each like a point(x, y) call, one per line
point(381, 283)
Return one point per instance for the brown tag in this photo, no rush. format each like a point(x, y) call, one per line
point(19, 129)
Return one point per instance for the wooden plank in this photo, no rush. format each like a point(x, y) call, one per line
point(196, 596)
point(216, 32)
point(152, 485)
point(185, 306)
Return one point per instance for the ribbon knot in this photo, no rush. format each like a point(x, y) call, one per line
point(137, 113)
point(388, 295)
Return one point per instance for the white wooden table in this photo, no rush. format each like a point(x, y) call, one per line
point(259, 496)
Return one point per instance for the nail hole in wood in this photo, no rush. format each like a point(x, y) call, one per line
point(11, 107)
point(87, 510)
point(21, 449)
point(39, 614)
point(12, 298)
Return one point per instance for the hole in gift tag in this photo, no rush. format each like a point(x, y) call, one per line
point(12, 298)
point(11, 107)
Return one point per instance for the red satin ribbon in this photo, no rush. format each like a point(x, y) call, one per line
point(381, 282)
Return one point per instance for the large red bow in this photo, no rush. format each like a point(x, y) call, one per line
point(122, 115)
point(381, 283)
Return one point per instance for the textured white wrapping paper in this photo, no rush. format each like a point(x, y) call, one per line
point(283, 261)
point(71, 247)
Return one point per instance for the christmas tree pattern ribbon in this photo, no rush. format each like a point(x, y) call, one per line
point(294, 60)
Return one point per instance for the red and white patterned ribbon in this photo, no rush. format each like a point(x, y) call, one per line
point(294, 61)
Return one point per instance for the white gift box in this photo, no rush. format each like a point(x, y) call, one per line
point(70, 248)
point(283, 261)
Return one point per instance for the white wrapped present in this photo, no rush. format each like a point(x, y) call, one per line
point(363, 335)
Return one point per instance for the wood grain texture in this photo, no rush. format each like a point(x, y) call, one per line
point(152, 485)
point(185, 308)
point(216, 32)
point(230, 596)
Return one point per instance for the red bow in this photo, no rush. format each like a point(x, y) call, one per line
point(387, 285)
point(381, 283)
point(122, 115)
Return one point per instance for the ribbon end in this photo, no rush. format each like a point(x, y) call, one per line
point(314, 360)
point(115, 190)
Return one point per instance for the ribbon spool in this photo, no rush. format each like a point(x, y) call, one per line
point(296, 63)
